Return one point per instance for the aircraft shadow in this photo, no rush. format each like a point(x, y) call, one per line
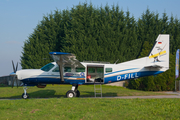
point(92, 94)
point(37, 94)
point(52, 94)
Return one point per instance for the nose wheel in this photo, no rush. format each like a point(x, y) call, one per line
point(25, 95)
point(74, 92)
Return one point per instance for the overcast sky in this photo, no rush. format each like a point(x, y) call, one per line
point(18, 18)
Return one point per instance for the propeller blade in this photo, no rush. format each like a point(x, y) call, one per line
point(17, 82)
point(16, 66)
point(13, 82)
point(13, 67)
point(14, 74)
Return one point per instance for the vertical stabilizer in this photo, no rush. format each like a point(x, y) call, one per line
point(159, 55)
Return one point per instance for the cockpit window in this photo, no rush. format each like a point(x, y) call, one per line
point(56, 69)
point(47, 67)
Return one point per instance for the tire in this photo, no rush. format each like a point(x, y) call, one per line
point(25, 96)
point(70, 94)
point(77, 93)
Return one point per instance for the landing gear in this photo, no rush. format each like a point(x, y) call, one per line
point(25, 95)
point(77, 93)
point(70, 94)
point(74, 92)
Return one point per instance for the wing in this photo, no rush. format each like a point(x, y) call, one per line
point(65, 59)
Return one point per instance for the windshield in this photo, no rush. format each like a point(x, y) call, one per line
point(47, 67)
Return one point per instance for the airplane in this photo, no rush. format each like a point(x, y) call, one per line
point(68, 70)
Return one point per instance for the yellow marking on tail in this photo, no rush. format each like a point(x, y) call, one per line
point(158, 54)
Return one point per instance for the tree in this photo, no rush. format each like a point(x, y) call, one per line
point(102, 34)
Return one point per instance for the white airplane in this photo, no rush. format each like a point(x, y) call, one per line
point(68, 70)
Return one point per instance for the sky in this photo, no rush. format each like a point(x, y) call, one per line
point(19, 18)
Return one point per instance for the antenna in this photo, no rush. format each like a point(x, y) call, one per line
point(116, 61)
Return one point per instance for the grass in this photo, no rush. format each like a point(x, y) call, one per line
point(57, 107)
point(89, 108)
point(60, 91)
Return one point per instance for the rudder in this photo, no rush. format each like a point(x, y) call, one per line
point(160, 52)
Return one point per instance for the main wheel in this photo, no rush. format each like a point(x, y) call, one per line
point(77, 93)
point(25, 96)
point(70, 94)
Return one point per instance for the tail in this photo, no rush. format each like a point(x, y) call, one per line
point(159, 54)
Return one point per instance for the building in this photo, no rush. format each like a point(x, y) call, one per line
point(7, 81)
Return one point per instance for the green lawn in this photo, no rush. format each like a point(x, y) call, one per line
point(60, 91)
point(58, 107)
point(90, 108)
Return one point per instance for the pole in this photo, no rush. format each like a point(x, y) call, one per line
point(175, 85)
point(177, 67)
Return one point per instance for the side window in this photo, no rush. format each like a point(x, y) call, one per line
point(80, 69)
point(99, 70)
point(56, 69)
point(91, 70)
point(67, 69)
point(108, 70)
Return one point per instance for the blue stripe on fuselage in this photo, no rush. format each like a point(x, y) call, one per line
point(127, 76)
point(120, 71)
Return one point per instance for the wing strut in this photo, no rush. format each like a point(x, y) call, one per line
point(63, 59)
point(60, 63)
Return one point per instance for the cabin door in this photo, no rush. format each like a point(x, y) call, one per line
point(95, 74)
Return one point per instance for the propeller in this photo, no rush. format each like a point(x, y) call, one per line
point(14, 75)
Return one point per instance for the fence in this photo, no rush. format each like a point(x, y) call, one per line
point(7, 80)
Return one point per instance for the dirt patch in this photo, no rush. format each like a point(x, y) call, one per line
point(33, 111)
